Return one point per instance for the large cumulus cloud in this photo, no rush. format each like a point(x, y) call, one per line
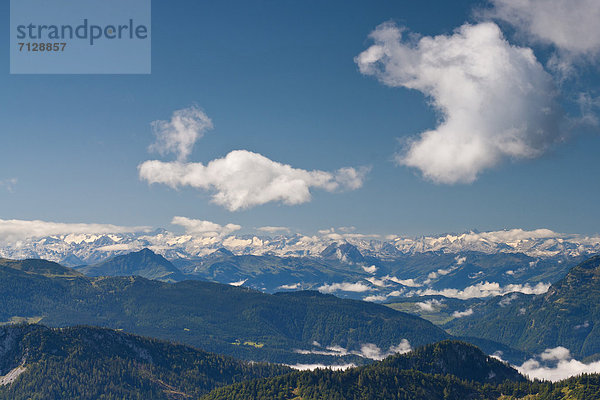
point(495, 100)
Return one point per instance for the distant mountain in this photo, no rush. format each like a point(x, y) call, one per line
point(92, 363)
point(144, 263)
point(379, 269)
point(344, 252)
point(295, 327)
point(446, 370)
point(77, 249)
point(567, 315)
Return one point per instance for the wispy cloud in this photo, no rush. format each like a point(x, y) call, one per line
point(343, 233)
point(9, 184)
point(367, 350)
point(13, 230)
point(274, 229)
point(179, 135)
point(484, 289)
point(496, 100)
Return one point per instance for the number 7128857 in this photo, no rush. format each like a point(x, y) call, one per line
point(34, 46)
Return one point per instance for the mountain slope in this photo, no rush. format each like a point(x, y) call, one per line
point(84, 362)
point(39, 267)
point(215, 317)
point(446, 370)
point(567, 315)
point(144, 263)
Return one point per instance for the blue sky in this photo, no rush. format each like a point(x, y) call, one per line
point(279, 78)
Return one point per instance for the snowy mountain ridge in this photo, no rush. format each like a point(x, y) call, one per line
point(77, 249)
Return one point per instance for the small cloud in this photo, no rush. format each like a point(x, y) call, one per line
point(292, 286)
point(429, 305)
point(9, 184)
point(371, 270)
point(405, 282)
point(238, 283)
point(344, 287)
point(460, 314)
point(197, 227)
point(377, 282)
point(375, 298)
point(273, 229)
point(179, 135)
point(333, 234)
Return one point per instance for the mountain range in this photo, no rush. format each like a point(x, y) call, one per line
point(295, 327)
point(78, 249)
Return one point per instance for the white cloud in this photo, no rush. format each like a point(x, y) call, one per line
point(273, 229)
point(556, 354)
point(440, 272)
point(367, 350)
point(460, 314)
point(310, 367)
point(14, 229)
point(332, 234)
point(290, 287)
point(375, 297)
point(429, 305)
point(9, 184)
point(460, 260)
point(371, 270)
point(197, 227)
point(238, 283)
point(405, 282)
point(570, 25)
point(496, 101)
point(377, 282)
point(244, 179)
point(344, 287)
point(556, 364)
point(179, 135)
point(484, 289)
